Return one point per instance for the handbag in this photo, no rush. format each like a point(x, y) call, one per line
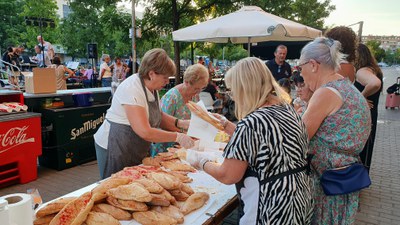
point(344, 180)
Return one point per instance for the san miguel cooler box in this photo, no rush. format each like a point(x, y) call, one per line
point(68, 135)
point(41, 81)
point(20, 145)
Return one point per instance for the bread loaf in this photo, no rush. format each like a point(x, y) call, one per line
point(153, 218)
point(98, 218)
point(75, 212)
point(115, 212)
point(54, 207)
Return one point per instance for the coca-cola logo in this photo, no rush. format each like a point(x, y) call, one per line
point(14, 137)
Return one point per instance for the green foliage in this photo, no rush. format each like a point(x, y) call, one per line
point(10, 23)
point(96, 21)
point(40, 9)
point(376, 51)
point(392, 57)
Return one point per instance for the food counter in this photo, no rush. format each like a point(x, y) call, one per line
point(68, 130)
point(221, 203)
point(99, 95)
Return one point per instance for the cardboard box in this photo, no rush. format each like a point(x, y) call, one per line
point(41, 81)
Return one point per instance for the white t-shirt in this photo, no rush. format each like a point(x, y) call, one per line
point(107, 72)
point(129, 92)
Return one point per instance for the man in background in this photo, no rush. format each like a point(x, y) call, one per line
point(39, 57)
point(279, 68)
point(201, 61)
point(47, 47)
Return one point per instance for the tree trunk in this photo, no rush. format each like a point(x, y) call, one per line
point(175, 26)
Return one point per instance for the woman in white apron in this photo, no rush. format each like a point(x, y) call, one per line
point(134, 118)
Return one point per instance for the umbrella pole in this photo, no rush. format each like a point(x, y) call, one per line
point(248, 47)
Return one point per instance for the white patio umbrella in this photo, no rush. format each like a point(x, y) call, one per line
point(248, 25)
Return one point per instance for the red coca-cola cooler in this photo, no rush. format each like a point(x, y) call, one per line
point(20, 144)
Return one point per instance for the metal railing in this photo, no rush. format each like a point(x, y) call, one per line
point(13, 73)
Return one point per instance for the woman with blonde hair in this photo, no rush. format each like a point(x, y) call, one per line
point(195, 79)
point(266, 156)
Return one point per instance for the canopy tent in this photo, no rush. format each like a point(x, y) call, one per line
point(248, 25)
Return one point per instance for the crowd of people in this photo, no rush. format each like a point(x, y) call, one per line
point(279, 147)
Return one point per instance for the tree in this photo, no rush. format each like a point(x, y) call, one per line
point(10, 23)
point(40, 9)
point(376, 51)
point(164, 16)
point(96, 21)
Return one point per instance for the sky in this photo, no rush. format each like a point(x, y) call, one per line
point(381, 17)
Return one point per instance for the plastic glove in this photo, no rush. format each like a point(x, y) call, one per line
point(184, 124)
point(222, 119)
point(199, 159)
point(184, 140)
point(229, 127)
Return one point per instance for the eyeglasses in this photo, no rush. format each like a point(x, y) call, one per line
point(300, 66)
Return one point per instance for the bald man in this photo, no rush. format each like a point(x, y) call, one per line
point(47, 46)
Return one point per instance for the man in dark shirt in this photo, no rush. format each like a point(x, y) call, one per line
point(278, 66)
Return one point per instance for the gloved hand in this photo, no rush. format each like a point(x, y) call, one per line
point(184, 124)
point(198, 159)
point(184, 140)
point(222, 119)
point(229, 127)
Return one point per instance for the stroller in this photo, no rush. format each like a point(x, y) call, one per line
point(393, 95)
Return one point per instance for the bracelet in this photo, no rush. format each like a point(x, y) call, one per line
point(176, 122)
point(204, 163)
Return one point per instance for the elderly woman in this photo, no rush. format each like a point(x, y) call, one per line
point(369, 83)
point(195, 79)
point(174, 101)
point(105, 71)
point(266, 156)
point(348, 40)
point(134, 117)
point(338, 125)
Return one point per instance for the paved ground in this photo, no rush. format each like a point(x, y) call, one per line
point(380, 204)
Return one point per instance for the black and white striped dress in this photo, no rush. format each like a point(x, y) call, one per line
point(273, 140)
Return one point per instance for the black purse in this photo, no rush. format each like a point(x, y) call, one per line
point(345, 180)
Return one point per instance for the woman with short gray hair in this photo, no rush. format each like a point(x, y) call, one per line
point(338, 123)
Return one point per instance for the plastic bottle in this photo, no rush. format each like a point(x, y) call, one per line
point(4, 216)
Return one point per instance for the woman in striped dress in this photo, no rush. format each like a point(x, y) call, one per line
point(266, 156)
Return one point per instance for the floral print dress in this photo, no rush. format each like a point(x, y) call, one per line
point(172, 104)
point(338, 142)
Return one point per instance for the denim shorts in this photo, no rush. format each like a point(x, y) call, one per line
point(106, 82)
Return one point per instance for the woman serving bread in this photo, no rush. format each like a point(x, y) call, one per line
point(134, 118)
